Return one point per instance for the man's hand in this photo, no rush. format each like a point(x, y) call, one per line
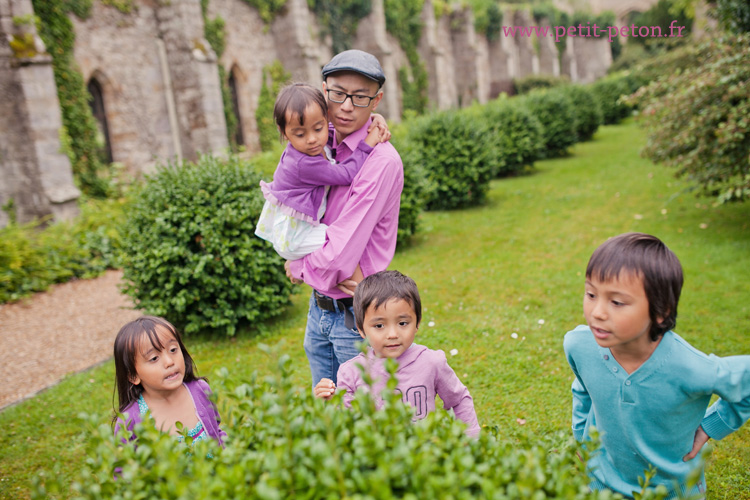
point(348, 287)
point(294, 280)
point(324, 389)
point(700, 439)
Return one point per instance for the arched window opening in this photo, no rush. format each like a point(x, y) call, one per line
point(96, 101)
point(239, 137)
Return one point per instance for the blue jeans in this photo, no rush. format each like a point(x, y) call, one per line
point(328, 342)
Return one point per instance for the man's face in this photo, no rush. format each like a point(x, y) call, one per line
point(346, 117)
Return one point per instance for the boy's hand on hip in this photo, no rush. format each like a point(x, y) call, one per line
point(700, 439)
point(324, 389)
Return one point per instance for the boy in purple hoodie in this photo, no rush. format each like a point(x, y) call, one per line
point(387, 309)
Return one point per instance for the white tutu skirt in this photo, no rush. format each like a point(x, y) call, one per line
point(292, 238)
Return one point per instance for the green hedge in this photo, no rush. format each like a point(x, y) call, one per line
point(587, 111)
point(554, 110)
point(456, 154)
point(32, 257)
point(532, 82)
point(608, 92)
point(282, 443)
point(417, 186)
point(515, 132)
point(191, 252)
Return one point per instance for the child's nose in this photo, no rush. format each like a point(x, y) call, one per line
point(599, 310)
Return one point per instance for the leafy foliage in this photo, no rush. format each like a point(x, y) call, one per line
point(403, 21)
point(554, 110)
point(515, 133)
point(608, 92)
point(267, 9)
point(274, 77)
point(56, 30)
point(191, 252)
point(528, 83)
point(456, 155)
point(417, 186)
point(33, 257)
point(587, 114)
point(697, 119)
point(734, 15)
point(339, 19)
point(283, 443)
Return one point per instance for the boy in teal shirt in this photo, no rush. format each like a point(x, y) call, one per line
point(640, 384)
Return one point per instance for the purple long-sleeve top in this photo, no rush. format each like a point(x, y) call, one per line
point(299, 180)
point(362, 220)
point(422, 374)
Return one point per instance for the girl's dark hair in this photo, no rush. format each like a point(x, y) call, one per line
point(381, 287)
point(294, 99)
point(128, 342)
point(649, 258)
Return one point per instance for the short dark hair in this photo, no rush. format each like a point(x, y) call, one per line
point(381, 287)
point(649, 258)
point(295, 98)
point(126, 346)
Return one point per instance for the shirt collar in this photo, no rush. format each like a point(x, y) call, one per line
point(352, 140)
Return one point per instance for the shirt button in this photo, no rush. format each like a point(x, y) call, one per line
point(614, 369)
point(606, 357)
point(627, 382)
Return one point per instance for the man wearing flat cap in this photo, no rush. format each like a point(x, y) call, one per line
point(362, 218)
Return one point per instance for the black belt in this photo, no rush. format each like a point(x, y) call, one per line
point(333, 305)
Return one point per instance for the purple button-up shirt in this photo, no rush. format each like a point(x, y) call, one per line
point(362, 220)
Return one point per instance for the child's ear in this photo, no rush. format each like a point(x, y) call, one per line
point(135, 379)
point(361, 333)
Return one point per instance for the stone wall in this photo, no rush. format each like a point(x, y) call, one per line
point(36, 175)
point(161, 90)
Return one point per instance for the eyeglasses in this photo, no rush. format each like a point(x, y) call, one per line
point(361, 101)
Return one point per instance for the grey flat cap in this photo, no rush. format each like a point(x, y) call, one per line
point(358, 61)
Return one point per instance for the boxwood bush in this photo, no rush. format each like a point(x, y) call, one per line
point(608, 92)
point(417, 186)
point(191, 254)
point(515, 131)
point(587, 112)
point(532, 82)
point(456, 154)
point(554, 110)
point(284, 444)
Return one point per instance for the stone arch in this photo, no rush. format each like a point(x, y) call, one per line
point(96, 87)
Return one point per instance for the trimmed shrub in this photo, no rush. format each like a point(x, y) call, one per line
point(586, 110)
point(416, 184)
point(697, 120)
point(608, 92)
point(457, 156)
point(283, 443)
point(533, 82)
point(191, 252)
point(516, 133)
point(554, 110)
point(32, 258)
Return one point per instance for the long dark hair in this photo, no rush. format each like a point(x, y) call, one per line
point(127, 343)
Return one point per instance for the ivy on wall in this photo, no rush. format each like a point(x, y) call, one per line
point(339, 19)
point(56, 30)
point(274, 77)
point(267, 9)
point(213, 30)
point(403, 21)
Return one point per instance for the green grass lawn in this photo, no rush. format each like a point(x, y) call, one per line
point(514, 265)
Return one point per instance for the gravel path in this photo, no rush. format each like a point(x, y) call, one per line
point(69, 328)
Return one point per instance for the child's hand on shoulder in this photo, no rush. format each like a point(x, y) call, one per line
point(379, 123)
point(325, 389)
